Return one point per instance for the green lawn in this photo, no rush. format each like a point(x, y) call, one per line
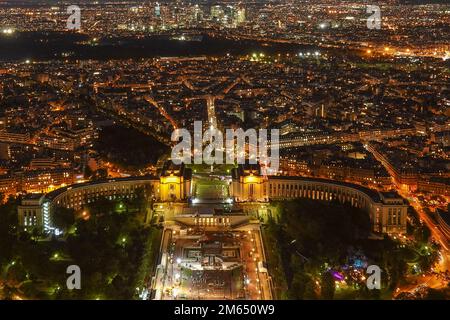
point(211, 189)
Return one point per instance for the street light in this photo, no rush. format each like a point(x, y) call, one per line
point(8, 31)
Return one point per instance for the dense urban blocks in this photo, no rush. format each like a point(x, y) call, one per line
point(351, 201)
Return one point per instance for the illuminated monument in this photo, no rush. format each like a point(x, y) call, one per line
point(248, 187)
point(173, 185)
point(175, 182)
point(387, 210)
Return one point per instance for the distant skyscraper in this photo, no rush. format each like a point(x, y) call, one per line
point(217, 13)
point(197, 13)
point(157, 10)
point(240, 16)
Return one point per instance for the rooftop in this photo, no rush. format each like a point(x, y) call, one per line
point(55, 193)
point(373, 194)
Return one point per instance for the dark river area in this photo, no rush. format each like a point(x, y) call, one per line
point(54, 45)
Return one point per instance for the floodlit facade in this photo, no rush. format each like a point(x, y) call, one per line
point(175, 182)
point(387, 210)
point(172, 186)
point(30, 212)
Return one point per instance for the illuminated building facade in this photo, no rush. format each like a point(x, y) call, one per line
point(387, 210)
point(31, 211)
point(175, 182)
point(173, 185)
point(78, 195)
point(435, 185)
point(45, 180)
point(248, 184)
point(8, 185)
